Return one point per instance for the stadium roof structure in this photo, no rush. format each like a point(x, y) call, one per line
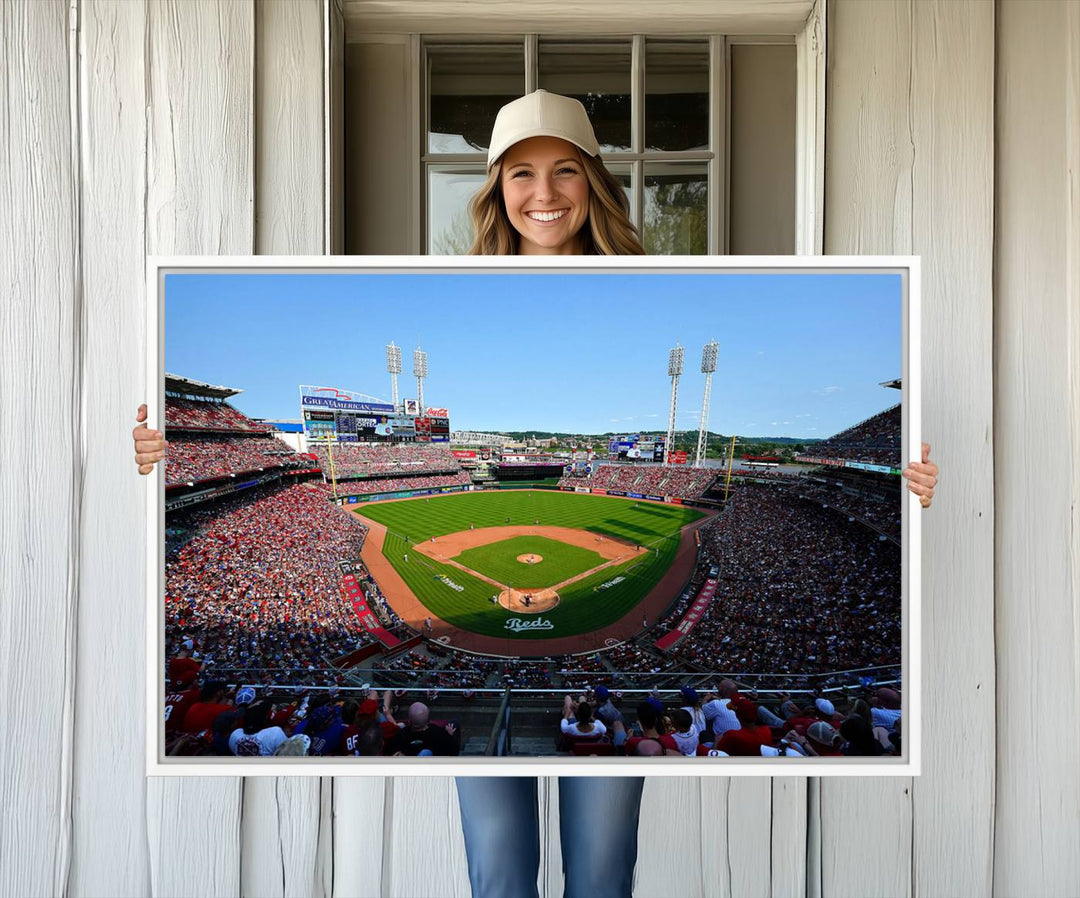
point(176, 384)
point(895, 384)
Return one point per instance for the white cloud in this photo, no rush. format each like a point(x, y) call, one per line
point(832, 389)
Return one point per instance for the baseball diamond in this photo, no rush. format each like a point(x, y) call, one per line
point(476, 540)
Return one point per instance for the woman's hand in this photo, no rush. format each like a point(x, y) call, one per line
point(149, 444)
point(922, 477)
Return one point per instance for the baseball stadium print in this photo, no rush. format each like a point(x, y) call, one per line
point(576, 516)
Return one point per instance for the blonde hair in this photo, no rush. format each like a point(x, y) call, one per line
point(608, 230)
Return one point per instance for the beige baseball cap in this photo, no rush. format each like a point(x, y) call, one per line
point(541, 114)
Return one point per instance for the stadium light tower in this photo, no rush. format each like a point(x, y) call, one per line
point(419, 369)
point(393, 366)
point(674, 370)
point(708, 366)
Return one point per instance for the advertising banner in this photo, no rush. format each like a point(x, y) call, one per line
point(412, 407)
point(616, 493)
point(464, 453)
point(436, 413)
point(690, 618)
point(678, 457)
point(581, 489)
point(345, 405)
point(635, 496)
point(368, 619)
point(655, 498)
point(599, 492)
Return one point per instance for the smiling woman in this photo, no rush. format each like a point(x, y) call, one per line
point(547, 190)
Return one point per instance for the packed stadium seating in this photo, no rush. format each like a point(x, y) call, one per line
point(390, 484)
point(254, 581)
point(190, 459)
point(204, 414)
point(655, 480)
point(387, 460)
point(875, 441)
point(801, 590)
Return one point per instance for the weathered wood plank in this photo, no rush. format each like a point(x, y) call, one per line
point(40, 395)
point(111, 859)
point(952, 83)
point(199, 200)
point(910, 150)
point(423, 848)
point(289, 127)
point(282, 817)
point(868, 196)
point(1037, 376)
point(358, 823)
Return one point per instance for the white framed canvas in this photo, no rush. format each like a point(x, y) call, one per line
point(507, 516)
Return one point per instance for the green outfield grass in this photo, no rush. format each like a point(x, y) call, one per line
point(584, 606)
point(499, 561)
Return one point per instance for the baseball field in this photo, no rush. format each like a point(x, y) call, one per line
point(559, 563)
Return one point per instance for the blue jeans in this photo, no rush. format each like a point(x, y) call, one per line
point(598, 823)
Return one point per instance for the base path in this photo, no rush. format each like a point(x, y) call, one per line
point(414, 612)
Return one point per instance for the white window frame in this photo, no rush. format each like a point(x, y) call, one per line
point(809, 42)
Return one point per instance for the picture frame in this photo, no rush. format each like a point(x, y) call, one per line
point(907, 335)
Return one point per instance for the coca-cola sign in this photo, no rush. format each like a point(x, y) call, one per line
point(436, 413)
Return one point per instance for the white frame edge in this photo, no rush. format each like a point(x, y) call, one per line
point(911, 656)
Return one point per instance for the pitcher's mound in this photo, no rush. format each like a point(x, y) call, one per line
point(530, 558)
point(539, 600)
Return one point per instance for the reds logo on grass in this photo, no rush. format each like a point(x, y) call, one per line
point(516, 624)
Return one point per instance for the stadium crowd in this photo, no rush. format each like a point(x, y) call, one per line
point(392, 484)
point(202, 414)
point(652, 480)
point(190, 459)
point(213, 719)
point(254, 581)
point(875, 440)
point(386, 460)
point(725, 722)
point(801, 590)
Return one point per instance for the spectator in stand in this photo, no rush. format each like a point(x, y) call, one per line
point(577, 721)
point(683, 739)
point(748, 739)
point(886, 710)
point(201, 715)
point(254, 738)
point(692, 704)
point(649, 725)
point(185, 693)
point(324, 725)
point(606, 712)
point(370, 743)
point(422, 735)
point(859, 740)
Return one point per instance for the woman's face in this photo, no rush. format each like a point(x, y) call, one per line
point(546, 195)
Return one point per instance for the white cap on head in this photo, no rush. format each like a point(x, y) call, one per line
point(541, 114)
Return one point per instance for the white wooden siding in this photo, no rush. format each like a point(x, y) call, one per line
point(953, 132)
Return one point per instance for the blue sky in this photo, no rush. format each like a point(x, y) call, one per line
point(800, 355)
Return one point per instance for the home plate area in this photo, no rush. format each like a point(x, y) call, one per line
point(529, 601)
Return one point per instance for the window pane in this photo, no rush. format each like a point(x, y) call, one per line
point(676, 209)
point(449, 191)
point(597, 74)
point(676, 95)
point(467, 84)
point(623, 174)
